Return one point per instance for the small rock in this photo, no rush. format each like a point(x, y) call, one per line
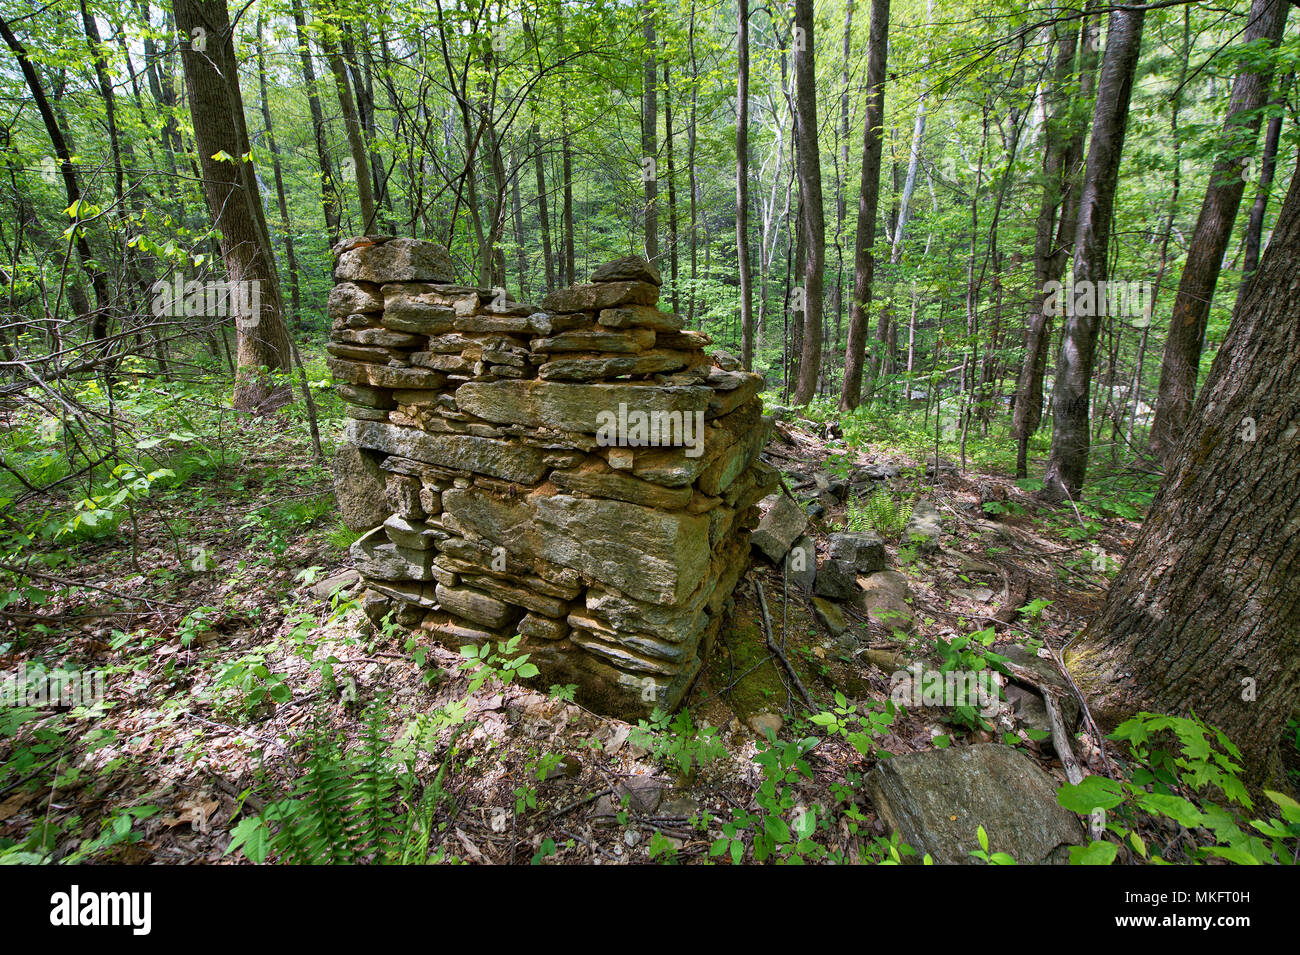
point(835, 579)
point(801, 563)
point(862, 550)
point(324, 589)
point(831, 614)
point(779, 527)
point(924, 528)
point(644, 793)
point(977, 594)
point(760, 723)
point(631, 838)
point(884, 598)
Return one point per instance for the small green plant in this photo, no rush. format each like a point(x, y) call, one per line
point(983, 854)
point(871, 724)
point(676, 741)
point(882, 512)
point(502, 664)
point(253, 684)
point(358, 805)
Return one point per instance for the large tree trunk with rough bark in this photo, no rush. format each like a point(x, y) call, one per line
point(230, 187)
point(864, 262)
point(1204, 618)
point(1067, 464)
point(812, 222)
point(1210, 239)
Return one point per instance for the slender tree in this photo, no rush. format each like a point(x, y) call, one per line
point(812, 220)
point(864, 262)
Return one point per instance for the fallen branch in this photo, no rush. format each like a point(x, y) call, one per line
point(777, 651)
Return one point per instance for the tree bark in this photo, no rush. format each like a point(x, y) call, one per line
point(742, 188)
point(1049, 264)
point(1202, 618)
point(352, 124)
point(1182, 358)
point(328, 186)
point(544, 219)
point(864, 263)
point(217, 111)
point(1067, 464)
point(282, 203)
point(812, 222)
point(1267, 169)
point(650, 134)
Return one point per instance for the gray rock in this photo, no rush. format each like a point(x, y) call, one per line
point(397, 260)
point(884, 598)
point(937, 800)
point(596, 369)
point(626, 342)
point(725, 360)
point(656, 556)
point(359, 488)
point(572, 407)
point(631, 268)
point(476, 607)
point(324, 589)
point(640, 316)
point(862, 550)
point(491, 456)
point(801, 563)
point(924, 528)
point(835, 579)
point(347, 298)
point(832, 615)
point(412, 535)
point(780, 527)
point(600, 295)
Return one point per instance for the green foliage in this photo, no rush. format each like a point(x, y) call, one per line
point(502, 664)
point(1195, 786)
point(881, 512)
point(355, 805)
point(871, 724)
point(677, 742)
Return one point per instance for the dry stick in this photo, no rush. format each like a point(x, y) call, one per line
point(777, 651)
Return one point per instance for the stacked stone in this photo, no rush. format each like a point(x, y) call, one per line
point(504, 442)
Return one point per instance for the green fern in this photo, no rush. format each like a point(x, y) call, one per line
point(881, 512)
point(352, 806)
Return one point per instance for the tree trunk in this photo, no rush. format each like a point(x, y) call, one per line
point(328, 186)
point(567, 167)
point(229, 184)
point(285, 225)
point(1067, 464)
point(1202, 618)
point(1267, 169)
point(812, 221)
point(864, 263)
point(352, 124)
point(544, 219)
point(742, 189)
point(672, 192)
point(650, 135)
point(1182, 358)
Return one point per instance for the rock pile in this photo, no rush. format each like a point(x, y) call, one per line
point(581, 473)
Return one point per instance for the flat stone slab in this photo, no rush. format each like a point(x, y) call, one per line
point(862, 550)
point(650, 555)
point(518, 463)
point(884, 598)
point(936, 801)
point(782, 524)
point(924, 528)
point(573, 407)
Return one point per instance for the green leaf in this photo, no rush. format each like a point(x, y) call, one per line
point(1095, 792)
point(1097, 853)
point(983, 838)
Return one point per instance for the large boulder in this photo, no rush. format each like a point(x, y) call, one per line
point(936, 801)
point(360, 485)
point(395, 260)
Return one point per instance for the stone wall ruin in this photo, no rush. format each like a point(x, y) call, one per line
point(580, 473)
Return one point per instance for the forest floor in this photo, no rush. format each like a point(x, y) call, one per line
point(224, 653)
